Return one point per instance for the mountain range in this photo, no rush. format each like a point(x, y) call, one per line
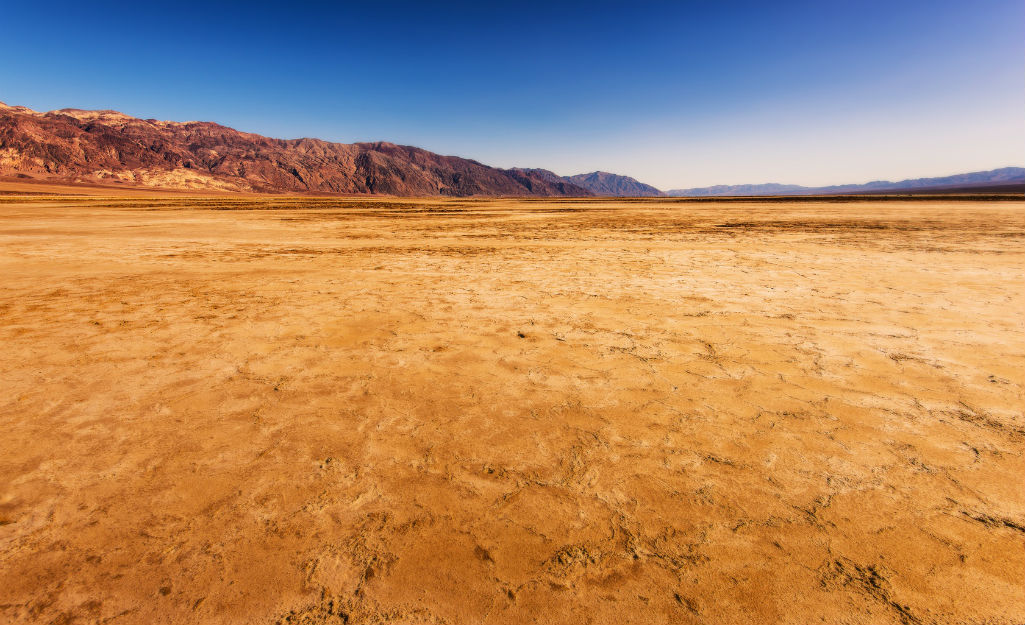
point(1003, 179)
point(604, 183)
point(111, 148)
point(108, 147)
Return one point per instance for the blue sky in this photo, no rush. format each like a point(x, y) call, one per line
point(676, 94)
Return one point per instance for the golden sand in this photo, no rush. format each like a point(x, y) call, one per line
point(471, 411)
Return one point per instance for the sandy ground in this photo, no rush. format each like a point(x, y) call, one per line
point(330, 411)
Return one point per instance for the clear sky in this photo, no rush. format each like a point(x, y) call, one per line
point(676, 94)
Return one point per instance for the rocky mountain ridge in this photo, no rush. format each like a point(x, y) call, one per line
point(73, 145)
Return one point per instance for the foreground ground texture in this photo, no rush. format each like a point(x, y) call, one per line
point(368, 411)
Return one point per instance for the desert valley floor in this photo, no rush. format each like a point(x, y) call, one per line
point(302, 410)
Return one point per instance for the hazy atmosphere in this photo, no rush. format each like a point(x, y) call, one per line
point(675, 94)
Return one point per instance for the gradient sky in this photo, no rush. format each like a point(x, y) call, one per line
point(676, 94)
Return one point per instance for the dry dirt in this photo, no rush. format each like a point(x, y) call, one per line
point(460, 411)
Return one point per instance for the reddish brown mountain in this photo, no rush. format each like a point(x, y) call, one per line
point(72, 145)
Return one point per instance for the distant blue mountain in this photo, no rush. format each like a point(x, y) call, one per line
point(604, 183)
point(1005, 178)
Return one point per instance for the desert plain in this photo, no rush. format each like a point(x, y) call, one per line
point(342, 410)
